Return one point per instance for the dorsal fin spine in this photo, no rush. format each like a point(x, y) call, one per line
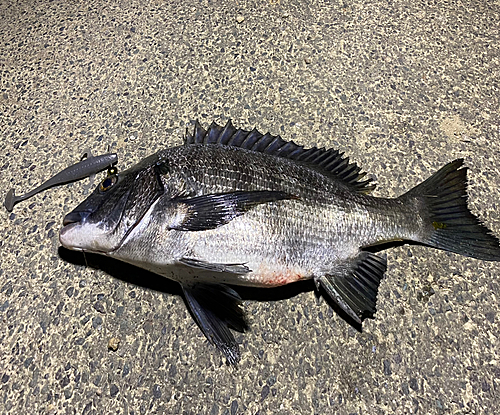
point(327, 161)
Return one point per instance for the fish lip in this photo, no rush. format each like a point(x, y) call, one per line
point(76, 217)
point(66, 227)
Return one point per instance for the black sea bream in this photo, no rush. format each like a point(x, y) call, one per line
point(241, 208)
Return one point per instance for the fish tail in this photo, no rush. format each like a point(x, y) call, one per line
point(448, 223)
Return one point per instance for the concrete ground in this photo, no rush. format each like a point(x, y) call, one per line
point(402, 86)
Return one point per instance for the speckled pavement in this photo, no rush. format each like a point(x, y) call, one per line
point(403, 87)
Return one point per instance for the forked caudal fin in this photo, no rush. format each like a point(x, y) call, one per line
point(449, 224)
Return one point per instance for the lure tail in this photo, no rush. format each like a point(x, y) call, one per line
point(448, 223)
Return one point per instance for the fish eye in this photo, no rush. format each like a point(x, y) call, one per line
point(163, 167)
point(108, 183)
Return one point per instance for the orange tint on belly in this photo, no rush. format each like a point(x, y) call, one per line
point(276, 276)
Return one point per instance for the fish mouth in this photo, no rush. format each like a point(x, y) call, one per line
point(68, 240)
point(73, 235)
point(67, 228)
point(70, 221)
point(75, 217)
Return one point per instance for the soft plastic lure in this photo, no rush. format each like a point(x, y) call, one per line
point(89, 166)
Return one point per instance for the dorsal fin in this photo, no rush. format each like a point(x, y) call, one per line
point(328, 161)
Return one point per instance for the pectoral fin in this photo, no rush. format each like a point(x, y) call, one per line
point(215, 267)
point(355, 289)
point(216, 309)
point(211, 211)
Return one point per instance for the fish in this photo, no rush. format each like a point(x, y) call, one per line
point(232, 208)
point(87, 166)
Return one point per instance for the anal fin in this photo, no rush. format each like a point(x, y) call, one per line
point(216, 309)
point(355, 288)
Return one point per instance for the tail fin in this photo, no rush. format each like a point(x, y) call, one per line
point(450, 224)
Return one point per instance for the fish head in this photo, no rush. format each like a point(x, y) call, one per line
point(102, 221)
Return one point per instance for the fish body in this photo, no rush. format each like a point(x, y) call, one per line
point(241, 208)
point(314, 229)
